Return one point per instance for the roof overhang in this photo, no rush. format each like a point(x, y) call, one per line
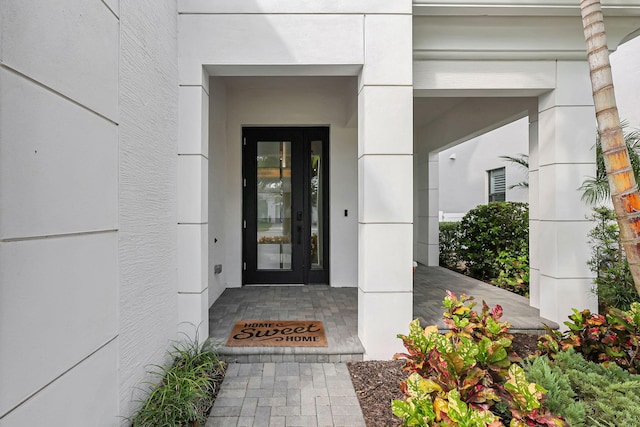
point(519, 8)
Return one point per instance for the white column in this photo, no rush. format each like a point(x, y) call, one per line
point(385, 185)
point(565, 158)
point(427, 220)
point(534, 213)
point(421, 207)
point(193, 162)
point(433, 203)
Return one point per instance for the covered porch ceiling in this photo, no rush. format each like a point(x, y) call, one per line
point(442, 122)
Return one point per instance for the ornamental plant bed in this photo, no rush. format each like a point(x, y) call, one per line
point(183, 393)
point(377, 382)
point(602, 391)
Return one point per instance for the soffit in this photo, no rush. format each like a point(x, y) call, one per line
point(519, 8)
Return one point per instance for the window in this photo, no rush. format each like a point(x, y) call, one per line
point(497, 185)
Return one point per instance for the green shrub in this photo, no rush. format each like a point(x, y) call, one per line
point(183, 394)
point(588, 394)
point(614, 283)
point(489, 230)
point(449, 245)
point(467, 377)
point(614, 338)
point(561, 399)
point(514, 273)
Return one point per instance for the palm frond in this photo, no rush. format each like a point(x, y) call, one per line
point(596, 189)
point(522, 184)
point(521, 159)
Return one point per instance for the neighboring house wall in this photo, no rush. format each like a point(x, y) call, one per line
point(88, 113)
point(464, 180)
point(625, 66)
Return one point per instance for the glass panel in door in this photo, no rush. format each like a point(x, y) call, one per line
point(316, 191)
point(274, 191)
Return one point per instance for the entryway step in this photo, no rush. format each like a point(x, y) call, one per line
point(353, 353)
point(526, 327)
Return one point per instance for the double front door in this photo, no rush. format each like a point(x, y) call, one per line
point(286, 205)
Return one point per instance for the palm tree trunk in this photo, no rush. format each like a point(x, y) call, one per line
point(624, 190)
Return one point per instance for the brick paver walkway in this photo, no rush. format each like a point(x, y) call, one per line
point(286, 394)
point(310, 386)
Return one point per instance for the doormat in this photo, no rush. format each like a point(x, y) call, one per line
point(277, 333)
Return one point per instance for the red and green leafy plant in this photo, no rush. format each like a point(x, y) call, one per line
point(467, 377)
point(428, 404)
point(614, 337)
point(462, 320)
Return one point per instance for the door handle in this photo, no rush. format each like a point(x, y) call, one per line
point(299, 216)
point(299, 229)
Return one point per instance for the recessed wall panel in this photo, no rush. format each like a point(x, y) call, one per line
point(58, 163)
point(87, 395)
point(58, 304)
point(70, 46)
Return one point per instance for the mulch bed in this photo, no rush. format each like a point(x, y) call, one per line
point(377, 383)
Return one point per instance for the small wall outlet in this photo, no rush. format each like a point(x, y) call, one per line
point(217, 269)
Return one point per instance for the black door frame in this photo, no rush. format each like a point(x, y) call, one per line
point(301, 272)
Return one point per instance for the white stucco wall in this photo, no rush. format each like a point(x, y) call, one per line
point(88, 120)
point(217, 239)
point(58, 213)
point(282, 101)
point(148, 103)
point(367, 39)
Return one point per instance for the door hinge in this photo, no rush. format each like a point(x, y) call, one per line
point(244, 141)
point(244, 224)
point(244, 266)
point(244, 182)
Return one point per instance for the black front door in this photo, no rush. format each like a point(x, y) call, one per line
point(286, 205)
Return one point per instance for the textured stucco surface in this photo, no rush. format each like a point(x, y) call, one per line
point(58, 238)
point(147, 212)
point(67, 45)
